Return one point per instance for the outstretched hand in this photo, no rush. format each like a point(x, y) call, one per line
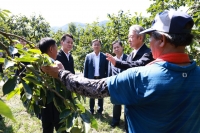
point(53, 70)
point(110, 58)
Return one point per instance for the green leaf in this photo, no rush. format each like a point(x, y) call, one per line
point(75, 130)
point(26, 59)
point(2, 16)
point(81, 107)
point(94, 123)
point(74, 95)
point(36, 51)
point(23, 98)
point(62, 128)
point(13, 93)
point(69, 121)
point(2, 60)
point(9, 85)
point(65, 113)
point(5, 110)
point(69, 104)
point(59, 101)
point(86, 116)
point(7, 11)
point(46, 60)
point(56, 104)
point(18, 45)
point(31, 67)
point(28, 90)
point(32, 78)
point(23, 52)
point(8, 63)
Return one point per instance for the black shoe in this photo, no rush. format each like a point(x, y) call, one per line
point(114, 124)
point(100, 114)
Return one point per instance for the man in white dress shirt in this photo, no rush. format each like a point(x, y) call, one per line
point(96, 67)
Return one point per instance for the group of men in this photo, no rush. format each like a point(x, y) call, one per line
point(97, 65)
point(161, 96)
point(160, 91)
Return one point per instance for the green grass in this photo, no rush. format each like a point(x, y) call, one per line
point(25, 123)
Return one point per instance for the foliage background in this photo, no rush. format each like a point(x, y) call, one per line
point(31, 30)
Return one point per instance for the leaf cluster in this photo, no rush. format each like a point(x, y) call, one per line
point(22, 75)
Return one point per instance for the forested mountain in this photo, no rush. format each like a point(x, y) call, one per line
point(65, 27)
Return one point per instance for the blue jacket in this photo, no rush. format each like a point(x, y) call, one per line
point(159, 98)
point(89, 66)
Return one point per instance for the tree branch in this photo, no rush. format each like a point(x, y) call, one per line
point(9, 34)
point(5, 48)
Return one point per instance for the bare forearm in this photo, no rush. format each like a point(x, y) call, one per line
point(83, 86)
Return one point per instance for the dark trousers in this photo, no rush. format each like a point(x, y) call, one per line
point(100, 105)
point(48, 127)
point(116, 113)
point(50, 118)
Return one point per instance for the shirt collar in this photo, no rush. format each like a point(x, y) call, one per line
point(66, 53)
point(97, 55)
point(120, 57)
point(135, 51)
point(52, 59)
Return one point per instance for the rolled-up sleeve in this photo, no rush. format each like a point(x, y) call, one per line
point(87, 87)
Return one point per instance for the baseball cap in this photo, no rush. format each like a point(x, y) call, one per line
point(171, 21)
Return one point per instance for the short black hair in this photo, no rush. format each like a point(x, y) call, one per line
point(45, 44)
point(65, 35)
point(117, 41)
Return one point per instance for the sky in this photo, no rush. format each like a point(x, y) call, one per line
point(61, 12)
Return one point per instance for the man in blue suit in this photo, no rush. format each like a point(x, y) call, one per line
point(96, 67)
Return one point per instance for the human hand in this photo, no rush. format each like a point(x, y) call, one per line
point(53, 70)
point(111, 59)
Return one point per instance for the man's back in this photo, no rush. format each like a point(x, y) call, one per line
point(167, 101)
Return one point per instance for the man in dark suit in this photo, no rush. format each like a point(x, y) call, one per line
point(64, 55)
point(118, 50)
point(96, 67)
point(140, 56)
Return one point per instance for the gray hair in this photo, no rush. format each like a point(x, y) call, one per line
point(138, 29)
point(175, 39)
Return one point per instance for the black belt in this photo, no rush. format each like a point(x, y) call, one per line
point(96, 77)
